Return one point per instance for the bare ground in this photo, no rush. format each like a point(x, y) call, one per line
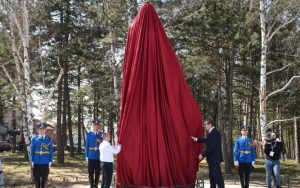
point(73, 173)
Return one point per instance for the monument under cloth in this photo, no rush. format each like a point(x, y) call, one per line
point(158, 112)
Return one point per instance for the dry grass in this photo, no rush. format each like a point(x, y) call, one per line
point(17, 168)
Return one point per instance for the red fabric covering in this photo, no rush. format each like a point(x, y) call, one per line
point(158, 112)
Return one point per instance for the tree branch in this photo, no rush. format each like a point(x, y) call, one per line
point(16, 54)
point(278, 70)
point(283, 88)
point(17, 23)
point(180, 10)
point(51, 93)
point(278, 28)
point(271, 5)
point(282, 120)
point(13, 84)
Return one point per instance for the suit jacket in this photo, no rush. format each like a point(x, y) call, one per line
point(213, 148)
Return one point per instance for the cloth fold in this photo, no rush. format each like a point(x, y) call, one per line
point(158, 112)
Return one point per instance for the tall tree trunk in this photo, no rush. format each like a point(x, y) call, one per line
point(24, 149)
point(79, 108)
point(298, 142)
point(66, 87)
point(229, 93)
point(114, 110)
point(254, 124)
point(292, 143)
point(96, 101)
point(220, 120)
point(277, 124)
point(60, 136)
point(14, 125)
point(296, 130)
point(65, 105)
point(66, 74)
point(263, 70)
point(289, 143)
point(27, 80)
point(251, 100)
point(83, 128)
point(70, 125)
point(259, 136)
point(59, 139)
point(23, 87)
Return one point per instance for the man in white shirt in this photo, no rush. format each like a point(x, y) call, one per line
point(107, 158)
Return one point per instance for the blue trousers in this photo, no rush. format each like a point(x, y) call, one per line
point(273, 166)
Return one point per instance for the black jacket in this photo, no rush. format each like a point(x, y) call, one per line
point(276, 147)
point(213, 149)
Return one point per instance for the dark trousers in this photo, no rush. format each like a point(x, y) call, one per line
point(215, 175)
point(40, 174)
point(107, 171)
point(94, 172)
point(244, 172)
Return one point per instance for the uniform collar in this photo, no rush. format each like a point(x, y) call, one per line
point(211, 129)
point(96, 132)
point(42, 137)
point(244, 137)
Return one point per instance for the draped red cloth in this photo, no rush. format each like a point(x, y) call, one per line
point(158, 111)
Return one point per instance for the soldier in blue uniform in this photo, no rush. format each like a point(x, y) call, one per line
point(92, 154)
point(41, 155)
point(244, 156)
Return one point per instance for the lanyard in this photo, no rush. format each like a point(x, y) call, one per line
point(274, 145)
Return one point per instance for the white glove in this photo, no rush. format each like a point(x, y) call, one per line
point(50, 164)
point(32, 164)
point(86, 159)
point(236, 163)
point(253, 162)
point(119, 147)
point(194, 138)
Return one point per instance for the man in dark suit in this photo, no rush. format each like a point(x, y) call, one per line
point(213, 153)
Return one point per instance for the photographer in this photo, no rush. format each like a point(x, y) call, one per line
point(273, 148)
